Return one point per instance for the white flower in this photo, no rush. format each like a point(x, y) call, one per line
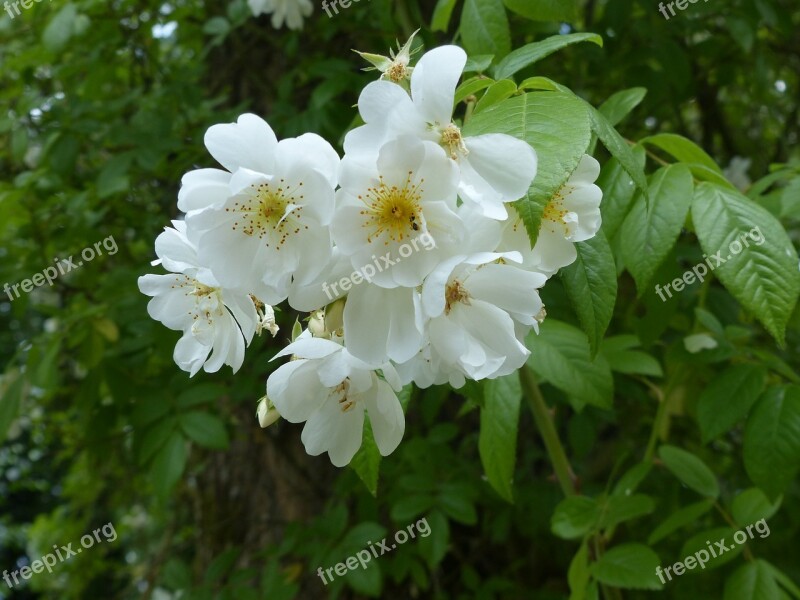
point(191, 300)
point(572, 215)
point(290, 12)
point(494, 168)
point(407, 196)
point(330, 390)
point(479, 308)
point(265, 221)
point(698, 342)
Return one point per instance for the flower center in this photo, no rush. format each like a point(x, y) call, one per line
point(270, 212)
point(454, 293)
point(453, 142)
point(393, 210)
point(554, 213)
point(397, 72)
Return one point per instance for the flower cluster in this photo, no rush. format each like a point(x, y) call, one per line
point(287, 219)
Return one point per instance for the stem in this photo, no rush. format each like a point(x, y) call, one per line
point(544, 422)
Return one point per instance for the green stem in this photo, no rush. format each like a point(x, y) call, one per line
point(544, 422)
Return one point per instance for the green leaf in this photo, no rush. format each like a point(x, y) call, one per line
point(618, 509)
point(205, 429)
point(574, 517)
point(441, 15)
point(618, 192)
point(479, 63)
point(472, 86)
point(619, 105)
point(557, 126)
point(682, 149)
point(622, 359)
point(728, 397)
point(772, 439)
point(458, 507)
point(578, 575)
point(560, 354)
point(618, 147)
point(497, 442)
point(692, 471)
point(701, 542)
point(752, 505)
point(545, 10)
point(783, 580)
point(682, 517)
point(629, 566)
point(168, 464)
point(628, 483)
point(536, 51)
point(497, 92)
point(367, 461)
point(13, 387)
point(591, 285)
point(433, 547)
point(484, 28)
point(752, 581)
point(155, 437)
point(763, 276)
point(650, 231)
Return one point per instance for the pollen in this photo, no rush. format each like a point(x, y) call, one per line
point(454, 293)
point(269, 212)
point(393, 210)
point(554, 213)
point(453, 142)
point(340, 392)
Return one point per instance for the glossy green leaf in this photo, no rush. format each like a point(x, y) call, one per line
point(497, 442)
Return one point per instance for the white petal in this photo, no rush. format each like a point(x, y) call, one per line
point(248, 143)
point(203, 188)
point(434, 81)
point(499, 168)
point(296, 391)
point(190, 355)
point(175, 251)
point(386, 417)
point(339, 433)
point(315, 151)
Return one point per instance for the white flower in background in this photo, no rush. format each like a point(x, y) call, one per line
point(330, 390)
point(395, 68)
point(572, 215)
point(478, 308)
point(494, 168)
point(698, 342)
point(266, 220)
point(191, 300)
point(290, 12)
point(407, 195)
